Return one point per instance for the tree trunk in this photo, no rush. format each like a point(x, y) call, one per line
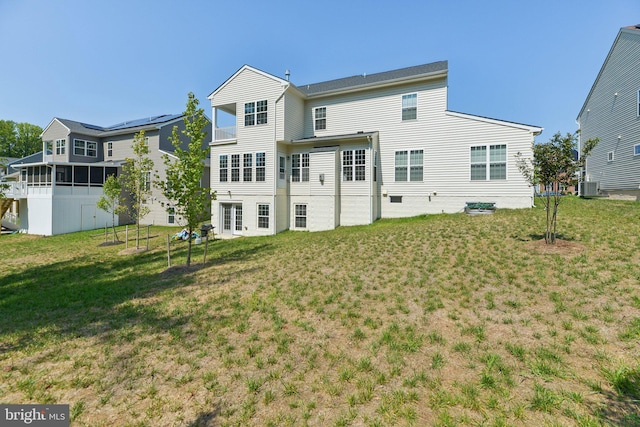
point(189, 248)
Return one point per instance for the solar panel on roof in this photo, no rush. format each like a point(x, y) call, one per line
point(94, 127)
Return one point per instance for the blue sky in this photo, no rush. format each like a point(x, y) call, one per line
point(104, 62)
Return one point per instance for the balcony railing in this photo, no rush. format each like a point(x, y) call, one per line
point(15, 190)
point(222, 134)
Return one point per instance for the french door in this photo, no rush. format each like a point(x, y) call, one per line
point(231, 218)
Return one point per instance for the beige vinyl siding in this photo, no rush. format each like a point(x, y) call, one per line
point(322, 212)
point(378, 110)
point(446, 184)
point(611, 111)
point(55, 131)
point(293, 118)
point(356, 196)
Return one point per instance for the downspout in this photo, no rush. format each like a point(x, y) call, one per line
point(371, 165)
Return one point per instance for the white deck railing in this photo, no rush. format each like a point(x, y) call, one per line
point(222, 134)
point(15, 190)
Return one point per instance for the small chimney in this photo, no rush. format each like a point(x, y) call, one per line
point(287, 73)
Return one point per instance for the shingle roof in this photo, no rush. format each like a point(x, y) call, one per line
point(365, 80)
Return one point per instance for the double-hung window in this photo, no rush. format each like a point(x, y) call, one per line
point(320, 118)
point(354, 165)
point(300, 214)
point(263, 216)
point(261, 165)
point(410, 106)
point(109, 149)
point(347, 165)
point(488, 162)
point(247, 175)
point(61, 145)
point(409, 165)
point(85, 148)
point(255, 113)
point(235, 168)
point(636, 150)
point(300, 167)
point(282, 167)
point(224, 168)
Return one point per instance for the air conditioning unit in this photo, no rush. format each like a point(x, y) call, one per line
point(590, 189)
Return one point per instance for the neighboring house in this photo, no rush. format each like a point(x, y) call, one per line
point(58, 190)
point(611, 112)
point(350, 151)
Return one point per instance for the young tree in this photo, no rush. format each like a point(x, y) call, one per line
point(111, 201)
point(182, 184)
point(3, 186)
point(136, 180)
point(554, 164)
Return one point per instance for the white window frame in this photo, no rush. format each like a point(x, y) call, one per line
point(636, 150)
point(171, 215)
point(109, 149)
point(61, 147)
point(409, 165)
point(638, 104)
point(610, 156)
point(409, 107)
point(83, 148)
point(487, 162)
point(299, 214)
point(223, 163)
point(320, 118)
point(354, 165)
point(302, 160)
point(256, 113)
point(247, 167)
point(261, 167)
point(282, 167)
point(263, 215)
point(235, 168)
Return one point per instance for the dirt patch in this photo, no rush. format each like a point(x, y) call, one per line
point(560, 247)
point(131, 251)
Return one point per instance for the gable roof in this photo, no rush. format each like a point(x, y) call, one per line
point(632, 29)
point(240, 70)
point(367, 80)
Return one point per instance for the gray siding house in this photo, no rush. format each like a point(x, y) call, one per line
point(611, 112)
point(58, 189)
point(352, 150)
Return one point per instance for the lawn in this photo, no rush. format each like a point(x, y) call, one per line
point(438, 320)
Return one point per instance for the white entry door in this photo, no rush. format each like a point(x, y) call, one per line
point(231, 217)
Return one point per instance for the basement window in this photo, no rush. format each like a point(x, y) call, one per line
point(395, 199)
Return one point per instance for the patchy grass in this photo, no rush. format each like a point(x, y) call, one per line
point(435, 320)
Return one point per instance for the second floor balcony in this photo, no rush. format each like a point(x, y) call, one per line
point(224, 133)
